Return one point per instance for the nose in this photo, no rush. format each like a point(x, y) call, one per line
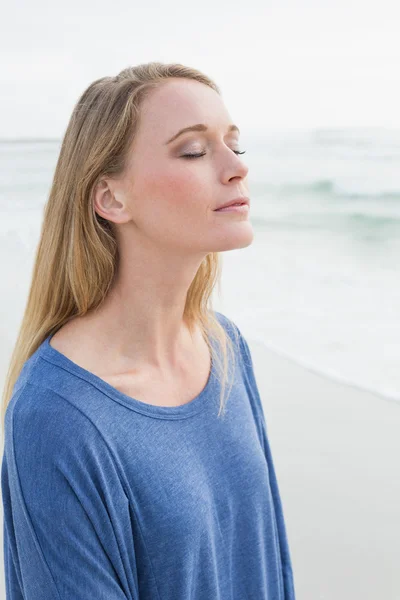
point(240, 169)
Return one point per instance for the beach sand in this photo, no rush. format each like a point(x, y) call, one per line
point(336, 451)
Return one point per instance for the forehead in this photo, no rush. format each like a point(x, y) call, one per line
point(180, 103)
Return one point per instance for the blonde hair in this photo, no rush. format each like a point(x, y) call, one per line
point(77, 255)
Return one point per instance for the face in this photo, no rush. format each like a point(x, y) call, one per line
point(170, 199)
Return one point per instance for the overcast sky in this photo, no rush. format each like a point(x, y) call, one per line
point(279, 63)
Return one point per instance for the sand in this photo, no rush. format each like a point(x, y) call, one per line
point(336, 452)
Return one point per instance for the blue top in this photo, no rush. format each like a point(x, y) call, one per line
point(111, 498)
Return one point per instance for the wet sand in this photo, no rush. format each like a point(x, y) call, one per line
point(336, 452)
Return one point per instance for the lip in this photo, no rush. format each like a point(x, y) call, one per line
point(241, 199)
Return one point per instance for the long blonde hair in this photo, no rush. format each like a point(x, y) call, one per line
point(77, 256)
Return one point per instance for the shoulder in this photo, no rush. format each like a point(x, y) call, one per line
point(236, 335)
point(229, 325)
point(48, 440)
point(41, 424)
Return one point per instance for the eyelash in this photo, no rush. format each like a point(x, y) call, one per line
point(204, 153)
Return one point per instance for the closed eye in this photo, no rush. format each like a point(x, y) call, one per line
point(204, 153)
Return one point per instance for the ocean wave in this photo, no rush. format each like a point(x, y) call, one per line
point(331, 188)
point(372, 227)
point(384, 392)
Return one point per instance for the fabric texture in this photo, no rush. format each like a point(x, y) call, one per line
point(111, 498)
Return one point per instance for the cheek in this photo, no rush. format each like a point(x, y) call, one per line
point(175, 202)
point(181, 188)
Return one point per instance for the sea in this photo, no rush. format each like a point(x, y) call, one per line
point(320, 283)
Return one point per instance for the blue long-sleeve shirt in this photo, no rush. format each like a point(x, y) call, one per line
point(108, 497)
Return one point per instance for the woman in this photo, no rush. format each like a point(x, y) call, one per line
point(120, 480)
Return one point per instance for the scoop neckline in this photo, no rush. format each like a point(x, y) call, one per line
point(195, 405)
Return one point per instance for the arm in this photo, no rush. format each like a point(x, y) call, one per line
point(13, 586)
point(258, 410)
point(66, 514)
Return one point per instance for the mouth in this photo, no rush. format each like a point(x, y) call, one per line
point(239, 208)
point(238, 203)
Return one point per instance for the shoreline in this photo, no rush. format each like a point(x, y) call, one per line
point(315, 370)
point(336, 451)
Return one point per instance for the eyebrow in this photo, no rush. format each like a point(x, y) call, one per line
point(198, 127)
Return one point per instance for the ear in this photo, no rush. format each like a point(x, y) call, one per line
point(109, 203)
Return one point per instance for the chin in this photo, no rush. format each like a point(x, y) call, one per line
point(235, 240)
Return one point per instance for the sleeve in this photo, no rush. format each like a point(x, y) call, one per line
point(280, 521)
point(67, 519)
point(13, 586)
